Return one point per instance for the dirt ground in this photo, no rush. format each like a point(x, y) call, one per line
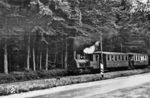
point(142, 91)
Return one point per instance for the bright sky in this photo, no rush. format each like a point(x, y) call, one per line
point(144, 1)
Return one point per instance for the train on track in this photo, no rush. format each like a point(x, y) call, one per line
point(112, 60)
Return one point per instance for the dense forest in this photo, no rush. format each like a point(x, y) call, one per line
point(43, 34)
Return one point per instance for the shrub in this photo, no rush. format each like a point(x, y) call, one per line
point(6, 78)
point(52, 73)
point(31, 75)
point(19, 76)
point(24, 76)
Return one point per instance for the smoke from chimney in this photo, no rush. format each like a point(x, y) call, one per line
point(91, 49)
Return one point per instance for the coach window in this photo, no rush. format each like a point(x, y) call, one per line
point(145, 57)
point(122, 57)
point(115, 57)
point(119, 57)
point(135, 58)
point(112, 58)
point(108, 57)
point(139, 58)
point(126, 57)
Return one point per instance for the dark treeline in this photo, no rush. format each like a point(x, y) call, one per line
point(43, 34)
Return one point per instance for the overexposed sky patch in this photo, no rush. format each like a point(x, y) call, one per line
point(143, 1)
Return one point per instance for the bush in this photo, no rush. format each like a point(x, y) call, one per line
point(31, 75)
point(24, 76)
point(52, 73)
point(6, 78)
point(77, 71)
point(19, 76)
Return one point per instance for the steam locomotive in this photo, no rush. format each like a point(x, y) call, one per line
point(112, 60)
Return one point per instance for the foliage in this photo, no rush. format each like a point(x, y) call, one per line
point(52, 73)
point(30, 27)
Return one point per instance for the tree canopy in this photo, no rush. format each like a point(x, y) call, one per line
point(43, 31)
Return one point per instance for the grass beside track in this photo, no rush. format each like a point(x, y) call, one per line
point(17, 87)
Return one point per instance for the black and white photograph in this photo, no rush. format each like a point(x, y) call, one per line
point(74, 48)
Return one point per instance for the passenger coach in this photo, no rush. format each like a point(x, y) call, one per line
point(114, 60)
point(119, 60)
point(138, 60)
point(110, 60)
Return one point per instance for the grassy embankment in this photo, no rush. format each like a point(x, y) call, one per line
point(17, 87)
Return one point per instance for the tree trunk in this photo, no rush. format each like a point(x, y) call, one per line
point(40, 60)
point(66, 55)
point(5, 59)
point(74, 56)
point(55, 59)
point(28, 54)
point(46, 63)
point(34, 64)
point(62, 60)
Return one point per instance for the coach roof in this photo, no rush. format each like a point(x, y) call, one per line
point(119, 53)
point(109, 52)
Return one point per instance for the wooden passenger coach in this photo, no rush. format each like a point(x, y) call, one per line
point(110, 59)
point(118, 60)
point(139, 60)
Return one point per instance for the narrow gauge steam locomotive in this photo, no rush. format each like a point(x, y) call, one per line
point(113, 60)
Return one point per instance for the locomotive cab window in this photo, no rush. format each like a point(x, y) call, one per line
point(91, 57)
point(96, 57)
